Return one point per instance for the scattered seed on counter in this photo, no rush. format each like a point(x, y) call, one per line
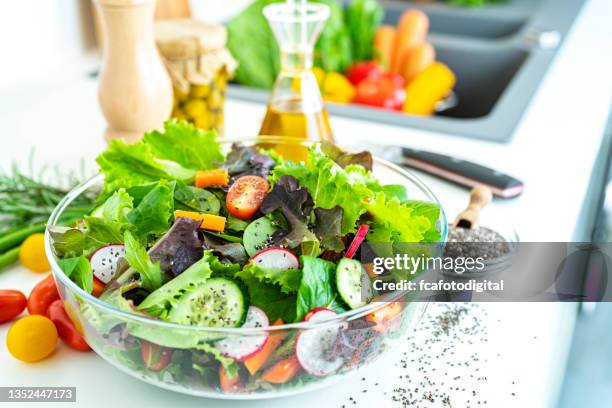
point(449, 328)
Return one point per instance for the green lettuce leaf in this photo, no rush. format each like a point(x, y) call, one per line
point(287, 279)
point(160, 301)
point(317, 287)
point(136, 255)
point(185, 144)
point(330, 185)
point(269, 297)
point(153, 213)
point(116, 207)
point(79, 271)
point(394, 222)
point(196, 199)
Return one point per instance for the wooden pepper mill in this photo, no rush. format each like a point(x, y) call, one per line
point(480, 196)
point(135, 91)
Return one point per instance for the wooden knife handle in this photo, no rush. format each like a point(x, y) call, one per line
point(480, 196)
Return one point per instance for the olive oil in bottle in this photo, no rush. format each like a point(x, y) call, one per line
point(296, 109)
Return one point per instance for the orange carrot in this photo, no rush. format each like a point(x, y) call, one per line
point(383, 44)
point(229, 384)
point(212, 178)
point(282, 371)
point(255, 362)
point(209, 221)
point(417, 59)
point(411, 31)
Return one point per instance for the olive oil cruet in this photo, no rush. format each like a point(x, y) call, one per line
point(296, 107)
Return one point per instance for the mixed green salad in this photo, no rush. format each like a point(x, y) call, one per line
point(185, 232)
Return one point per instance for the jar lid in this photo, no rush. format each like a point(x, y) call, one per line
point(187, 38)
point(194, 51)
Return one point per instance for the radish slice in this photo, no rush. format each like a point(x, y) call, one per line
point(242, 347)
point(104, 261)
point(359, 237)
point(276, 258)
point(316, 310)
point(313, 346)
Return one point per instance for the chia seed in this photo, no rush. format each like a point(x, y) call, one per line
point(473, 243)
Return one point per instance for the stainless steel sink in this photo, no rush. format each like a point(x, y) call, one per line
point(499, 54)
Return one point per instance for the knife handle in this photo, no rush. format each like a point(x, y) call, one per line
point(462, 172)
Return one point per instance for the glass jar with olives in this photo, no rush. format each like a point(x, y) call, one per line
point(200, 65)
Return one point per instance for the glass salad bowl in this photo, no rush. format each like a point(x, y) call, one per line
point(313, 353)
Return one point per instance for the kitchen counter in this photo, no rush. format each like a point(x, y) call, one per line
point(558, 144)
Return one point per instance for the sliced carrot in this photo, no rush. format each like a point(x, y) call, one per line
point(255, 362)
point(209, 221)
point(385, 316)
point(229, 384)
point(282, 371)
point(212, 178)
point(411, 31)
point(417, 59)
point(98, 287)
point(383, 44)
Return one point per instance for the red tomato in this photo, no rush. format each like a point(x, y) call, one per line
point(44, 293)
point(65, 328)
point(363, 70)
point(12, 303)
point(98, 287)
point(386, 91)
point(155, 357)
point(229, 384)
point(245, 196)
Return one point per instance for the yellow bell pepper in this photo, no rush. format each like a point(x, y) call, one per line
point(427, 88)
point(334, 86)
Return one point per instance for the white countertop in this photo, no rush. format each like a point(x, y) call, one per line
point(553, 152)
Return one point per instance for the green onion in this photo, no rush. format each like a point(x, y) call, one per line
point(9, 258)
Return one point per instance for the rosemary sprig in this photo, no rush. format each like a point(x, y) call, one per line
point(26, 202)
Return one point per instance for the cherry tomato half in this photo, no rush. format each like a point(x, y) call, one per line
point(65, 328)
point(155, 357)
point(44, 293)
point(246, 195)
point(12, 303)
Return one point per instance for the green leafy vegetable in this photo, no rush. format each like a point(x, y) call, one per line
point(116, 207)
point(160, 301)
point(79, 271)
point(329, 185)
point(269, 297)
point(362, 20)
point(151, 275)
point(343, 159)
point(317, 287)
point(287, 279)
point(251, 42)
point(333, 49)
point(394, 222)
point(153, 213)
point(295, 203)
point(185, 144)
point(328, 228)
point(196, 199)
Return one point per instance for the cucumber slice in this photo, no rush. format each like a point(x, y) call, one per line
point(219, 302)
point(256, 235)
point(353, 283)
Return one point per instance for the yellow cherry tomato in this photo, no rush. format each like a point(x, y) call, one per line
point(32, 253)
point(32, 338)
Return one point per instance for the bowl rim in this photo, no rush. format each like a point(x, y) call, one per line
point(340, 317)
